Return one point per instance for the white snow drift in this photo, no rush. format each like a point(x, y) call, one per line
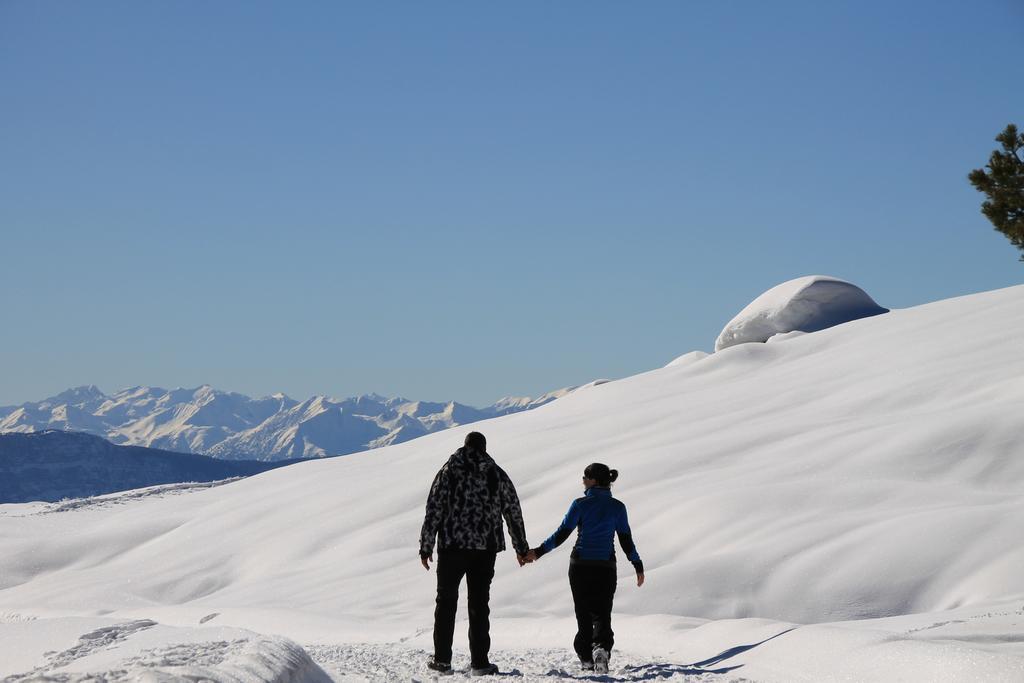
point(143, 650)
point(845, 505)
point(806, 304)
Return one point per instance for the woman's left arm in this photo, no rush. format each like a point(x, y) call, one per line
point(628, 546)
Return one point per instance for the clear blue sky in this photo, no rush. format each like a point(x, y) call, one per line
point(464, 200)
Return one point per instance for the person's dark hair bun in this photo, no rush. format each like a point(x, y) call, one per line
point(600, 473)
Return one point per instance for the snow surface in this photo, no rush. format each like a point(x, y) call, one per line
point(145, 650)
point(806, 304)
point(842, 506)
point(687, 359)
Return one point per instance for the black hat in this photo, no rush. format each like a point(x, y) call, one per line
point(476, 441)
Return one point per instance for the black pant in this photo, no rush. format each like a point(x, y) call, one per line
point(593, 588)
point(478, 568)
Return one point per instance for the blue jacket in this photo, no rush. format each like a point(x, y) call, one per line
point(598, 517)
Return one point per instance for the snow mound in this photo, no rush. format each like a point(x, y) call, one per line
point(592, 384)
point(783, 336)
point(806, 304)
point(144, 650)
point(687, 359)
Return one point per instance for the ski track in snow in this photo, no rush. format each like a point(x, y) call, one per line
point(14, 617)
point(987, 615)
point(357, 663)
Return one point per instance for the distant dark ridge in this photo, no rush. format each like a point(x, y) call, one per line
point(52, 465)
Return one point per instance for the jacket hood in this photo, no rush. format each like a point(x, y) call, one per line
point(471, 459)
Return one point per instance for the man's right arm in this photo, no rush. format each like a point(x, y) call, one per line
point(436, 501)
point(512, 511)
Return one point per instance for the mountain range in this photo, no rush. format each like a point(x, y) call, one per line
point(53, 465)
point(233, 426)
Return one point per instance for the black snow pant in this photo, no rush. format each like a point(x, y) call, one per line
point(593, 588)
point(478, 568)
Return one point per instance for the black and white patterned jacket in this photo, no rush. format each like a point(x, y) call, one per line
point(467, 501)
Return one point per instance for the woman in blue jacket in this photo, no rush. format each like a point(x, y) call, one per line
point(597, 517)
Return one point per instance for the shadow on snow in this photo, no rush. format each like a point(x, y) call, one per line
point(650, 672)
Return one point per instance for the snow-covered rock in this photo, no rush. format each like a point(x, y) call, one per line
point(806, 304)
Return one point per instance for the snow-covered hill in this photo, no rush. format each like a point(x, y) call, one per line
point(233, 426)
point(839, 505)
point(52, 465)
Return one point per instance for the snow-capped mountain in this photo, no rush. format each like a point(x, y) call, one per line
point(52, 465)
point(233, 426)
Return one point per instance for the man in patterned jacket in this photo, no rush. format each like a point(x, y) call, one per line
point(467, 501)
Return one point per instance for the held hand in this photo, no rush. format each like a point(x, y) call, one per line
point(531, 556)
point(639, 579)
point(425, 561)
point(521, 559)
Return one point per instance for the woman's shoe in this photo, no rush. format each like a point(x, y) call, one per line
point(600, 660)
point(485, 670)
